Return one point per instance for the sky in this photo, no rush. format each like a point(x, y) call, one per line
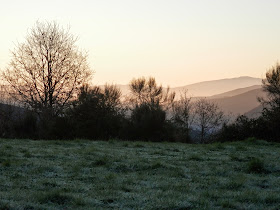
point(178, 42)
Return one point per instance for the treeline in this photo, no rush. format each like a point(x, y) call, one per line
point(267, 126)
point(148, 113)
point(48, 80)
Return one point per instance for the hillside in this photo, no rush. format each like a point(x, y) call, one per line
point(235, 95)
point(254, 113)
point(210, 88)
point(138, 175)
point(235, 92)
point(240, 104)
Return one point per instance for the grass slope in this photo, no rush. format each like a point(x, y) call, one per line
point(124, 175)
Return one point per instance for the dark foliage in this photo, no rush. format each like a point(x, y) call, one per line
point(6, 120)
point(148, 122)
point(26, 126)
point(149, 105)
point(270, 129)
point(267, 126)
point(97, 113)
point(242, 128)
point(16, 122)
point(271, 85)
point(182, 117)
point(146, 91)
point(62, 128)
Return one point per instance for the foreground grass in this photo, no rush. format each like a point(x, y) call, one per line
point(117, 174)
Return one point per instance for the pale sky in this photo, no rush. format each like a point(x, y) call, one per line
point(177, 41)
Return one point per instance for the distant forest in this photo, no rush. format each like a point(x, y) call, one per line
point(46, 95)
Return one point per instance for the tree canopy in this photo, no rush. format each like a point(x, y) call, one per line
point(47, 69)
point(146, 91)
point(271, 85)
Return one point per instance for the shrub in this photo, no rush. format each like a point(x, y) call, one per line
point(148, 122)
point(97, 113)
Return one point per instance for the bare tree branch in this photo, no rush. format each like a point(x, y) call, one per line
point(47, 69)
point(208, 117)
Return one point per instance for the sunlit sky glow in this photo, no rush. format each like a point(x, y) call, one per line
point(178, 42)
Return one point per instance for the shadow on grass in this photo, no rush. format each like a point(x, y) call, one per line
point(60, 198)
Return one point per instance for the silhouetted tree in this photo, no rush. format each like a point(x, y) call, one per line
point(25, 124)
point(148, 122)
point(242, 128)
point(271, 105)
point(208, 118)
point(271, 85)
point(98, 113)
point(47, 70)
point(182, 115)
point(267, 125)
point(146, 91)
point(17, 122)
point(149, 104)
point(7, 113)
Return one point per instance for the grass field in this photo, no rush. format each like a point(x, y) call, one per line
point(123, 175)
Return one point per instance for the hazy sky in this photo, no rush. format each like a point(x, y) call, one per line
point(177, 41)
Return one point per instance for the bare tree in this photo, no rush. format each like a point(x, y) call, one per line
point(208, 117)
point(146, 91)
point(182, 116)
point(182, 111)
point(47, 70)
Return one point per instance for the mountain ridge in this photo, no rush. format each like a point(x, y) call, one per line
point(241, 104)
point(210, 87)
point(235, 92)
point(215, 87)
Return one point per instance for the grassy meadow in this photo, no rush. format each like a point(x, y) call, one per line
point(85, 174)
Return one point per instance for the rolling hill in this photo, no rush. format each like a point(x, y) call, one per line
point(240, 104)
point(235, 95)
point(214, 87)
point(254, 113)
point(235, 92)
point(210, 88)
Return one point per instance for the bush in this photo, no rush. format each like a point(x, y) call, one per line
point(148, 122)
point(27, 125)
point(242, 128)
point(63, 128)
point(270, 124)
point(97, 113)
point(265, 127)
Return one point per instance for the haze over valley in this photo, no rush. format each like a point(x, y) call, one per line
point(233, 95)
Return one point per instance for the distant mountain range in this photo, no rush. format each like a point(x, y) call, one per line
point(240, 103)
point(235, 95)
point(215, 87)
point(235, 92)
point(210, 88)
